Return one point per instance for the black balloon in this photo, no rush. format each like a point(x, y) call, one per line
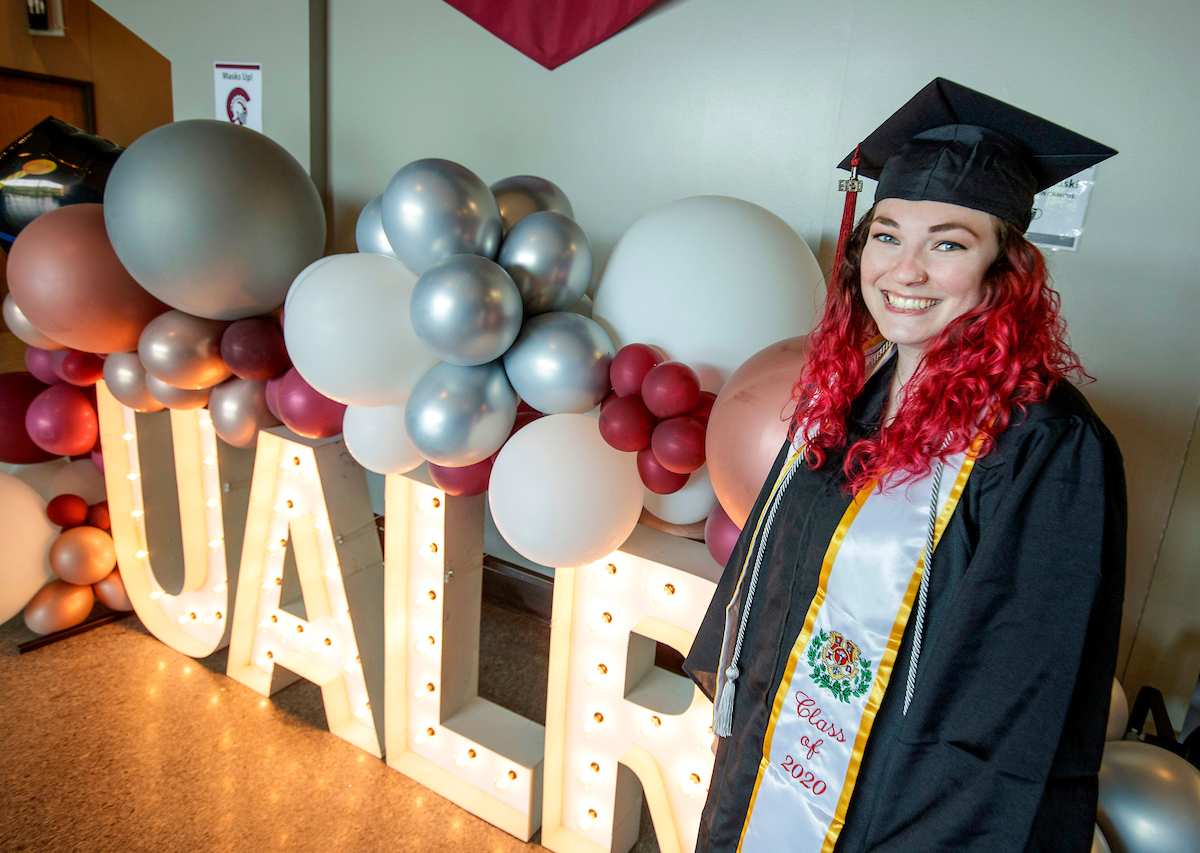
point(51, 166)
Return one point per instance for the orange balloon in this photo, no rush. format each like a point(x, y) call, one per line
point(58, 606)
point(67, 281)
point(111, 591)
point(83, 555)
point(749, 424)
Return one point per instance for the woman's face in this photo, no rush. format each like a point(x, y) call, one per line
point(923, 266)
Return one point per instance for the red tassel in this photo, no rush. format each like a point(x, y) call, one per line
point(851, 188)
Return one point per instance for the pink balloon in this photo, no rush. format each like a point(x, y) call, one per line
point(720, 535)
point(748, 426)
point(43, 364)
point(704, 408)
point(272, 394)
point(61, 420)
point(305, 411)
point(462, 482)
point(98, 460)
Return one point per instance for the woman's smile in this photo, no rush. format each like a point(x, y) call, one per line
point(907, 304)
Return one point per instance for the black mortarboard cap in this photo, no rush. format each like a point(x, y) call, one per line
point(953, 144)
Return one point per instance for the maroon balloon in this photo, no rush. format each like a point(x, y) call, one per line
point(462, 482)
point(306, 411)
point(97, 516)
point(612, 395)
point(62, 421)
point(655, 477)
point(630, 366)
point(17, 393)
point(523, 419)
point(703, 408)
point(67, 511)
point(720, 535)
point(678, 445)
point(254, 349)
point(80, 369)
point(44, 363)
point(671, 389)
point(626, 424)
point(272, 395)
point(525, 408)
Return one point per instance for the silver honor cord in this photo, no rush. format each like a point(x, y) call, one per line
point(923, 595)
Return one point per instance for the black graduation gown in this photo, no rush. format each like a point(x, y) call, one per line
point(1002, 743)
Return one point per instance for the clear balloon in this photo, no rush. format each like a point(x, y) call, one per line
point(678, 279)
point(239, 410)
point(176, 398)
point(348, 330)
point(559, 363)
point(376, 437)
point(27, 535)
point(20, 326)
point(126, 380)
point(184, 351)
point(694, 502)
point(550, 259)
point(521, 195)
point(368, 231)
point(212, 218)
point(466, 310)
point(58, 606)
point(1149, 799)
point(435, 208)
point(458, 416)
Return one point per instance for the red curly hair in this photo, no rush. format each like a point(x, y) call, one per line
point(1001, 356)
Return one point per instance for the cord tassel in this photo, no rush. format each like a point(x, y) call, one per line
point(851, 187)
point(723, 716)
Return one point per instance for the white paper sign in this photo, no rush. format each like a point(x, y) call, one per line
point(1058, 212)
point(238, 88)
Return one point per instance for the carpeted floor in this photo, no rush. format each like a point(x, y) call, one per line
point(111, 741)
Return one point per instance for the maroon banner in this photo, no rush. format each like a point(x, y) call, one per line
point(551, 32)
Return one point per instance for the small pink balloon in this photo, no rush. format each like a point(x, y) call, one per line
point(305, 411)
point(462, 482)
point(272, 393)
point(720, 535)
point(98, 460)
point(111, 591)
point(43, 364)
point(62, 420)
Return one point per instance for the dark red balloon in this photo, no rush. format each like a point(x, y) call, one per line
point(678, 444)
point(612, 395)
point(523, 419)
point(62, 420)
point(17, 392)
point(626, 424)
point(703, 408)
point(305, 411)
point(671, 389)
point(43, 364)
point(97, 516)
point(657, 478)
point(630, 366)
point(80, 369)
point(525, 408)
point(720, 535)
point(67, 511)
point(254, 349)
point(462, 482)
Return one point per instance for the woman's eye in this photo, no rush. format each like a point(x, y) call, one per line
point(948, 246)
point(886, 238)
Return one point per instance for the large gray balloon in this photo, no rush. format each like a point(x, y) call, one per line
point(550, 259)
point(433, 209)
point(368, 231)
point(212, 218)
point(1149, 800)
point(559, 363)
point(458, 416)
point(239, 410)
point(176, 398)
point(183, 350)
point(466, 310)
point(522, 195)
point(126, 380)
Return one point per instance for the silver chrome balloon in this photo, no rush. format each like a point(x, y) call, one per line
point(238, 408)
point(183, 350)
point(126, 380)
point(176, 398)
point(522, 195)
point(559, 363)
point(1149, 799)
point(28, 333)
point(550, 259)
point(212, 218)
point(368, 231)
point(433, 209)
point(466, 310)
point(458, 416)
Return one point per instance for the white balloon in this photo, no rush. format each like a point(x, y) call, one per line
point(711, 280)
point(319, 262)
point(1118, 712)
point(64, 477)
point(377, 439)
point(1099, 842)
point(690, 504)
point(348, 332)
point(560, 495)
point(27, 536)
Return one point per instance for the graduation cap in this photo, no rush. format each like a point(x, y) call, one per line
point(953, 144)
